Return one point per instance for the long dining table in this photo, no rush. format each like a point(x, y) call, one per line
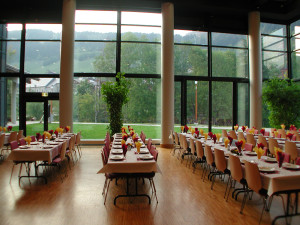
point(38, 151)
point(131, 165)
point(276, 180)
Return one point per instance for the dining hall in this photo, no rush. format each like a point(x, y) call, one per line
point(149, 112)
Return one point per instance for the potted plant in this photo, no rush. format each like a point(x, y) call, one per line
point(115, 95)
point(282, 99)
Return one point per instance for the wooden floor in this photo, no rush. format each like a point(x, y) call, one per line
point(183, 198)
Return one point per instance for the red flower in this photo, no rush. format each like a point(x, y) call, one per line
point(262, 131)
point(9, 128)
point(186, 128)
point(125, 137)
point(124, 147)
point(237, 126)
point(50, 131)
point(196, 129)
point(280, 157)
point(230, 139)
point(243, 128)
point(214, 137)
point(290, 136)
point(43, 138)
point(67, 129)
point(135, 139)
point(260, 145)
point(239, 145)
point(131, 133)
point(210, 134)
point(38, 136)
point(56, 133)
point(292, 127)
point(197, 133)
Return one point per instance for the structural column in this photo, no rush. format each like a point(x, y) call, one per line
point(255, 66)
point(167, 73)
point(66, 64)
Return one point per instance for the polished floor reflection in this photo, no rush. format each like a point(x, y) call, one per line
point(183, 198)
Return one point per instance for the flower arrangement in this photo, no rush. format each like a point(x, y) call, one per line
point(290, 136)
point(9, 128)
point(28, 139)
point(262, 131)
point(243, 128)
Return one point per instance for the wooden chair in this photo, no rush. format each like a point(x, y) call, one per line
point(282, 133)
point(272, 143)
point(200, 155)
point(78, 143)
point(12, 137)
point(2, 139)
point(233, 134)
point(262, 140)
point(224, 134)
point(291, 149)
point(221, 166)
point(236, 176)
point(20, 135)
point(241, 136)
point(210, 162)
point(250, 139)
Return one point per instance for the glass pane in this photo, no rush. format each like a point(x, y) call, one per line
point(89, 16)
point(273, 29)
point(295, 27)
point(43, 31)
point(10, 31)
point(274, 64)
point(222, 104)
point(140, 18)
point(53, 120)
point(273, 43)
point(48, 85)
point(140, 58)
point(137, 33)
point(229, 62)
point(95, 57)
point(190, 37)
point(229, 40)
point(296, 64)
point(89, 110)
point(243, 104)
point(10, 57)
point(96, 32)
point(42, 57)
point(9, 104)
point(177, 104)
point(197, 108)
point(143, 111)
point(190, 60)
point(34, 118)
point(295, 43)
point(265, 113)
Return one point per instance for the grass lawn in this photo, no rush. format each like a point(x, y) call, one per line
point(98, 131)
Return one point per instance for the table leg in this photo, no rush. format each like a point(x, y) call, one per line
point(35, 172)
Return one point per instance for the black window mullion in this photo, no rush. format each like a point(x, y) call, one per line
point(118, 49)
point(209, 64)
point(22, 84)
point(289, 55)
point(234, 104)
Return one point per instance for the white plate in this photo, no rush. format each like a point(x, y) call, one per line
point(144, 151)
point(146, 157)
point(34, 143)
point(266, 169)
point(116, 151)
point(290, 166)
point(268, 159)
point(116, 157)
point(250, 153)
point(117, 146)
point(23, 147)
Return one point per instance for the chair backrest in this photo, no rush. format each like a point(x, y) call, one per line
point(154, 153)
point(248, 147)
point(241, 135)
point(149, 143)
point(291, 148)
point(233, 134)
point(13, 136)
point(72, 143)
point(184, 142)
point(63, 151)
point(103, 158)
point(13, 145)
point(22, 141)
point(253, 176)
point(153, 147)
point(199, 149)
point(176, 138)
point(106, 154)
point(272, 143)
point(209, 155)
point(282, 133)
point(20, 135)
point(181, 140)
point(220, 160)
point(224, 133)
point(262, 140)
point(2, 139)
point(250, 139)
point(78, 137)
point(192, 146)
point(235, 168)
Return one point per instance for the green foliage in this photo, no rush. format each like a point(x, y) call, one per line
point(282, 99)
point(115, 95)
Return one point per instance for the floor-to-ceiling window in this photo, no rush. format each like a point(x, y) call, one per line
point(295, 50)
